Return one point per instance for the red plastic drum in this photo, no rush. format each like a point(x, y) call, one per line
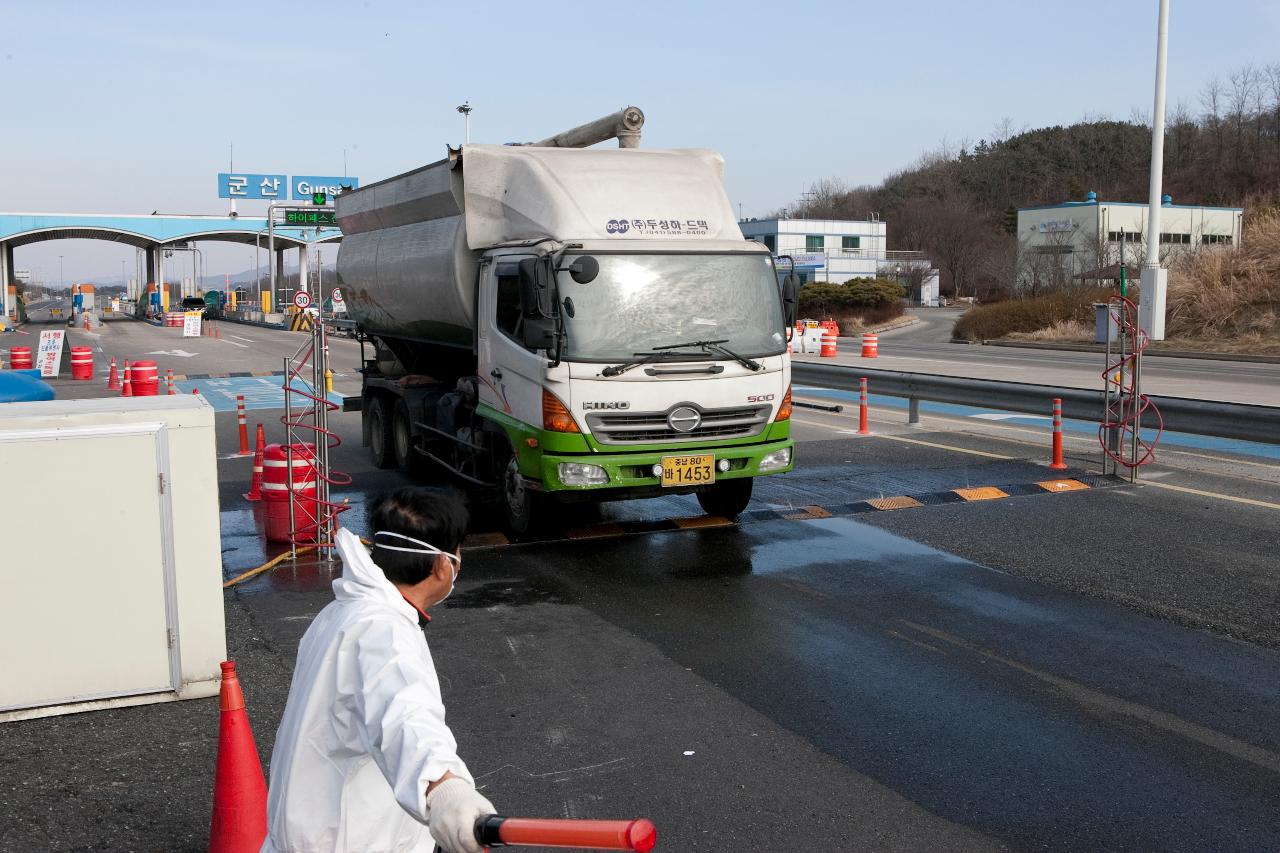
point(81, 363)
point(144, 379)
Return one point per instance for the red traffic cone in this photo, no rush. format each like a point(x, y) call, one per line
point(169, 380)
point(255, 485)
point(113, 378)
point(239, 789)
point(127, 389)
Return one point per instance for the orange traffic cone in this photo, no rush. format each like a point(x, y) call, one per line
point(113, 378)
point(127, 389)
point(239, 789)
point(255, 485)
point(169, 379)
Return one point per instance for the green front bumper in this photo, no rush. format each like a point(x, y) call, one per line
point(632, 471)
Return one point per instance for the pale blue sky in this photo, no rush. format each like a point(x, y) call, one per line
point(129, 107)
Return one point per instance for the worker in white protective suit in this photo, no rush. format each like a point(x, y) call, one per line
point(363, 760)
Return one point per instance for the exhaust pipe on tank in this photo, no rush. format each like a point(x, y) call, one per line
point(624, 125)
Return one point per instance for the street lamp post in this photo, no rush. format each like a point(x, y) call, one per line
point(62, 283)
point(1155, 279)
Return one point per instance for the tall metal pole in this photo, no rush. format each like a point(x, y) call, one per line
point(1151, 304)
point(257, 266)
point(271, 253)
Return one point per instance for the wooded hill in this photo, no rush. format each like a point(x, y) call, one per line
point(959, 204)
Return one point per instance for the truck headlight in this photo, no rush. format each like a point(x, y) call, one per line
point(776, 459)
point(582, 474)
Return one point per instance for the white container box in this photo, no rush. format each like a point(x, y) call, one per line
point(111, 559)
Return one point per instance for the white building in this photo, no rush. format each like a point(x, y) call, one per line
point(1075, 238)
point(838, 250)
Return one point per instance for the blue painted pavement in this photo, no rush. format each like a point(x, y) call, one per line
point(260, 392)
point(1090, 428)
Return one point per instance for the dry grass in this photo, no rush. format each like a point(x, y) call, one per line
point(1063, 331)
point(1229, 293)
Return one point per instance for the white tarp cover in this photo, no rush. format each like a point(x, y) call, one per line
point(515, 193)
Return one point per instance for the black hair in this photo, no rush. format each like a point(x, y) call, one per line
point(437, 516)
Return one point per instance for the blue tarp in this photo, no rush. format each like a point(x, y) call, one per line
point(23, 386)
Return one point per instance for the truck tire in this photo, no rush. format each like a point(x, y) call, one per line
point(523, 509)
point(402, 437)
point(727, 498)
point(377, 421)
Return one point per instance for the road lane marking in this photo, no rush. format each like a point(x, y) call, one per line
point(1105, 705)
point(1204, 494)
point(945, 446)
point(234, 344)
point(239, 338)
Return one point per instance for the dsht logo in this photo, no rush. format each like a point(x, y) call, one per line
point(617, 226)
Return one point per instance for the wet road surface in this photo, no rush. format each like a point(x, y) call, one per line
point(1040, 718)
point(1037, 676)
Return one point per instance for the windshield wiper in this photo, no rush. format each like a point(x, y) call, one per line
point(657, 354)
point(748, 363)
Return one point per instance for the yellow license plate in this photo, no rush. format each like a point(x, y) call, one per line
point(695, 470)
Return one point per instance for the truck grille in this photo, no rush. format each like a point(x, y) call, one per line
point(650, 427)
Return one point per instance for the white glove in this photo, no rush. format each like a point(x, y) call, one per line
point(452, 809)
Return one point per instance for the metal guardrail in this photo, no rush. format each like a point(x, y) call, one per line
point(1200, 417)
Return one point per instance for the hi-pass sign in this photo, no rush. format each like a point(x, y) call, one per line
point(273, 187)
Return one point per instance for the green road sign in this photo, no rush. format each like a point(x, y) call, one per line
point(308, 216)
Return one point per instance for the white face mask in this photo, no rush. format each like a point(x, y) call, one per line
point(426, 548)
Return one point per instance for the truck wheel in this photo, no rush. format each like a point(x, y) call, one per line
point(522, 508)
point(727, 498)
point(402, 437)
point(378, 424)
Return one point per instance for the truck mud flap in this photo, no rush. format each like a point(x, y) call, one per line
point(352, 404)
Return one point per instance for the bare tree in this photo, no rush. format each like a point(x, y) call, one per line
point(956, 240)
point(1211, 98)
point(1240, 97)
point(1181, 134)
point(1272, 78)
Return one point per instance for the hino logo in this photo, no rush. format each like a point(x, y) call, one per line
point(684, 419)
point(606, 404)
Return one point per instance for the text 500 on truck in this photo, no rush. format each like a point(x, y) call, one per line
point(561, 323)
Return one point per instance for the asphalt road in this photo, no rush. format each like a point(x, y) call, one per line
point(926, 348)
point(1092, 670)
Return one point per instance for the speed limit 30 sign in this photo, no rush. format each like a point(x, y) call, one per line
point(302, 299)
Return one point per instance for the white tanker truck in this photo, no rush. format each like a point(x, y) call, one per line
point(560, 323)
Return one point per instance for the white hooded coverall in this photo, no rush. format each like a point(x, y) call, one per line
point(363, 732)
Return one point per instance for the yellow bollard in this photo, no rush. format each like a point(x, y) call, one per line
point(328, 381)
point(266, 302)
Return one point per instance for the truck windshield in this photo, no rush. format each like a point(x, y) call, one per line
point(639, 302)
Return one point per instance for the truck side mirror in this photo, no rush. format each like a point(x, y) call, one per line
point(584, 269)
point(791, 299)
